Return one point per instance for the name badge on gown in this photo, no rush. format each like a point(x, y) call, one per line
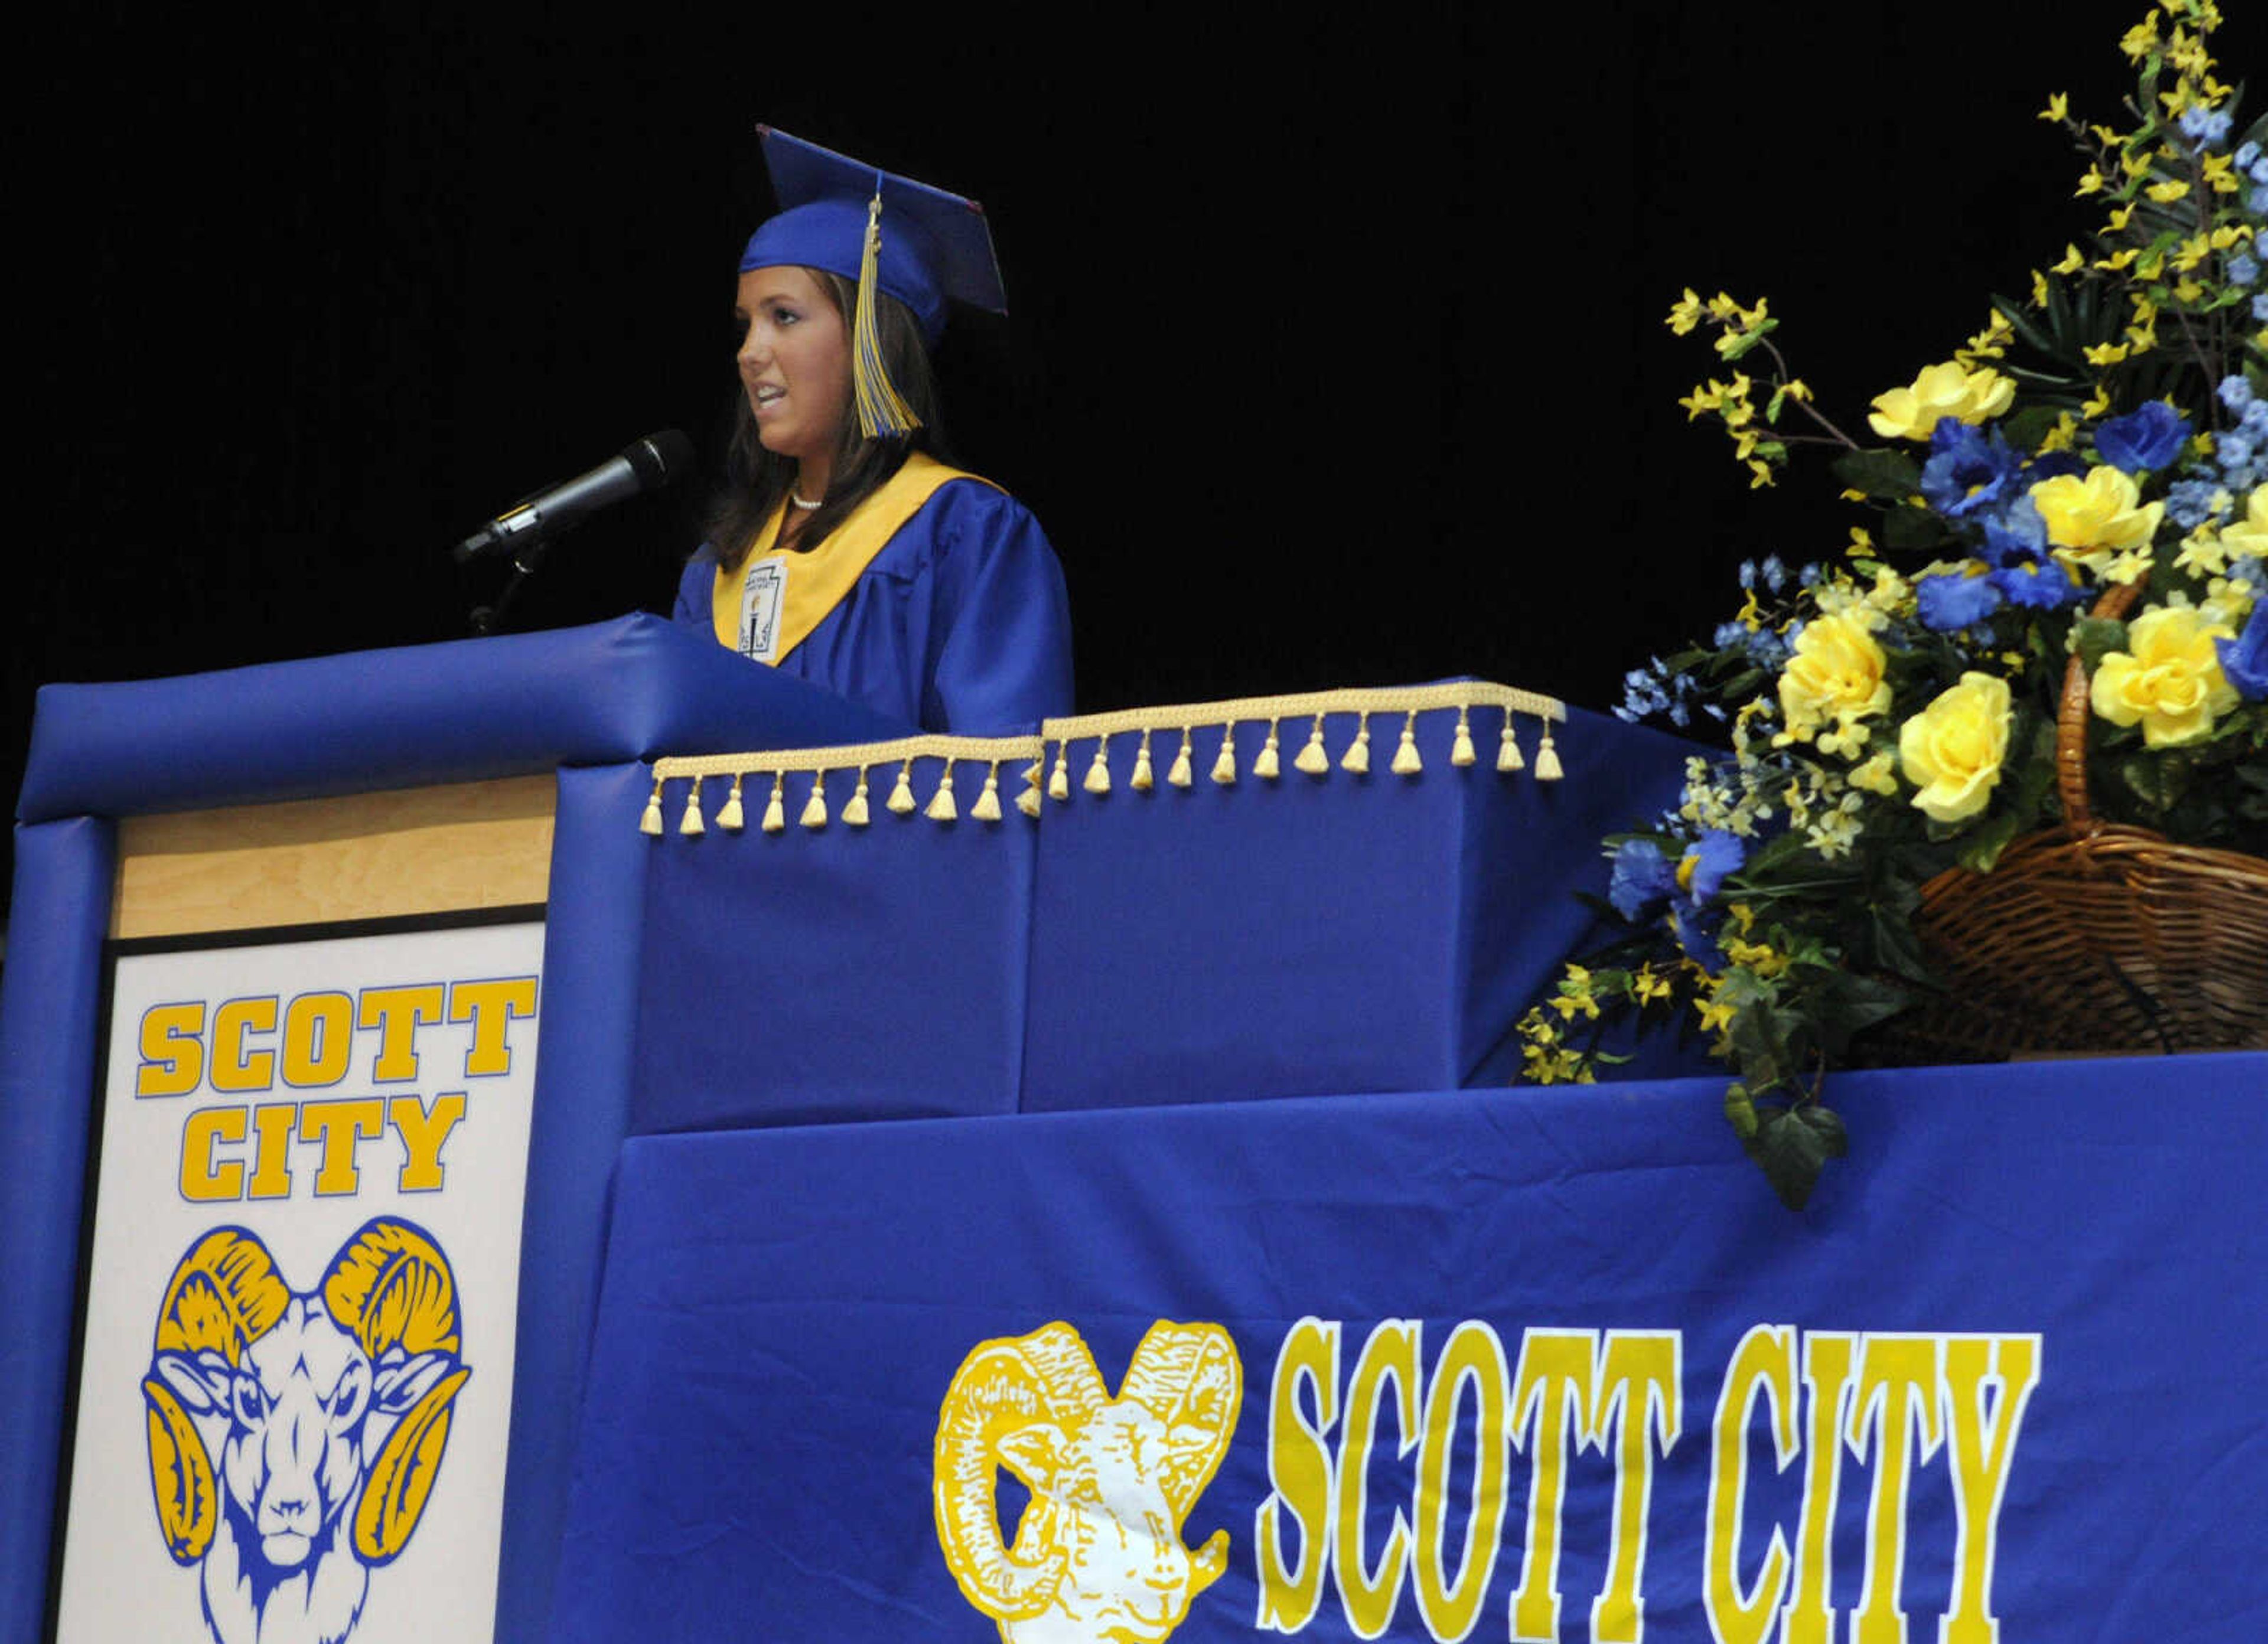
point(760, 607)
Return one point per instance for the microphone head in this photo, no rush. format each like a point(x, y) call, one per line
point(659, 459)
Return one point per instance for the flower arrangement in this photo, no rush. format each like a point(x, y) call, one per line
point(2087, 477)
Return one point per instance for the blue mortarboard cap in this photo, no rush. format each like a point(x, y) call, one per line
point(934, 244)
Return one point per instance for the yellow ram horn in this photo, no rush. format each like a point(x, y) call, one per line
point(1003, 1386)
point(1189, 1375)
point(392, 1286)
point(393, 1498)
point(223, 1297)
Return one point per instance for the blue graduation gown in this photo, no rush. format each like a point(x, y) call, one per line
point(960, 624)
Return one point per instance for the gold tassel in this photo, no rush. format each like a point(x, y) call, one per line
point(1406, 759)
point(1462, 752)
point(649, 824)
point(689, 823)
point(1547, 758)
point(941, 808)
point(1098, 775)
point(882, 413)
point(987, 808)
point(1314, 758)
point(814, 809)
point(854, 814)
point(1059, 779)
point(1141, 782)
point(1028, 800)
point(1180, 774)
point(1266, 766)
point(1223, 768)
point(1357, 753)
point(901, 797)
point(774, 812)
point(731, 818)
point(1507, 748)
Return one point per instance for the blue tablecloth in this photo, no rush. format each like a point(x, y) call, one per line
point(2018, 1341)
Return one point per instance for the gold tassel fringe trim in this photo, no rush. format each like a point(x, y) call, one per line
point(1046, 769)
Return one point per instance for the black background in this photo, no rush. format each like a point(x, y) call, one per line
point(1335, 354)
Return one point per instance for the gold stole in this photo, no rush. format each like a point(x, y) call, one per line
point(817, 580)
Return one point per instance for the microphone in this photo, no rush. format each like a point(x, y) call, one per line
point(646, 464)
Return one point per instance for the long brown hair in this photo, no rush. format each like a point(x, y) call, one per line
point(756, 479)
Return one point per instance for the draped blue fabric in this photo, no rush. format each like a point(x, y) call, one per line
point(1311, 936)
point(49, 997)
point(604, 696)
point(784, 1309)
point(406, 718)
point(590, 934)
point(874, 973)
point(960, 624)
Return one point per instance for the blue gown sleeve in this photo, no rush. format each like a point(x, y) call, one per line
point(696, 606)
point(1000, 624)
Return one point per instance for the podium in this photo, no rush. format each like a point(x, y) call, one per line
point(486, 788)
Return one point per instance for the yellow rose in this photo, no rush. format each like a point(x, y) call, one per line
point(1834, 674)
point(2090, 519)
point(1952, 751)
point(2250, 537)
point(1940, 392)
point(2167, 678)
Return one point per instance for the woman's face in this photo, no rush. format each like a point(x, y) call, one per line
point(794, 361)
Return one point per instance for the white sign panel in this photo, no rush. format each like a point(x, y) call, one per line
point(296, 1393)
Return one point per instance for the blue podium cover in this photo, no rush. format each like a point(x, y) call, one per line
point(1535, 1364)
point(411, 717)
point(1321, 933)
point(833, 968)
point(598, 699)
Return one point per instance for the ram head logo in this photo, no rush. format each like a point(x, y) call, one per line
point(1098, 1556)
point(295, 1437)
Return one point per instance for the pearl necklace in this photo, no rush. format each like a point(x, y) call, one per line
point(796, 497)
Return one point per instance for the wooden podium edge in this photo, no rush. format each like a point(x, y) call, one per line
point(379, 855)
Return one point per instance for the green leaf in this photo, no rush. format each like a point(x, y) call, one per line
point(1895, 945)
point(2028, 426)
point(2013, 312)
point(1782, 852)
point(1859, 1002)
point(1793, 1145)
point(1912, 530)
point(1889, 474)
point(2097, 637)
point(2157, 781)
point(1736, 346)
point(1983, 846)
point(2035, 774)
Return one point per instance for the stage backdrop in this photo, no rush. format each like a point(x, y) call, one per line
point(1510, 1364)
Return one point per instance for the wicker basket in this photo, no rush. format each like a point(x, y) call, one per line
point(2093, 936)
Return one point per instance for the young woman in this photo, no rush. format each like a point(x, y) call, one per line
point(842, 552)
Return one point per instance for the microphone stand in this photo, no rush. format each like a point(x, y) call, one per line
point(525, 560)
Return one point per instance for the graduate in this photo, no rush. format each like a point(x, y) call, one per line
point(841, 550)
